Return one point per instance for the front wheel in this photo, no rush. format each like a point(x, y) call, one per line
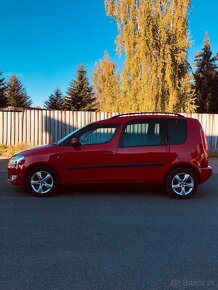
point(42, 181)
point(181, 183)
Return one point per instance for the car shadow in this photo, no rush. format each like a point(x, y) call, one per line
point(57, 129)
point(144, 190)
point(111, 189)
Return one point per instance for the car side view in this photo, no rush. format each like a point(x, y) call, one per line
point(152, 148)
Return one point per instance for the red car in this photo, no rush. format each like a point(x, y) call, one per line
point(164, 149)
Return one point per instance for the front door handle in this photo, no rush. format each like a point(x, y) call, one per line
point(107, 152)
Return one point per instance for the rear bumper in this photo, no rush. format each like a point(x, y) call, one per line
point(205, 173)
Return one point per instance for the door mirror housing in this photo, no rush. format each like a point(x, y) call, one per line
point(75, 142)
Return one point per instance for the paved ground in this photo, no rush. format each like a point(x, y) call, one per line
point(113, 239)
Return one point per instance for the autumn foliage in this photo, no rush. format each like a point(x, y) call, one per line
point(153, 39)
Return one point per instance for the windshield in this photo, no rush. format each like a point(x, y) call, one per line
point(64, 140)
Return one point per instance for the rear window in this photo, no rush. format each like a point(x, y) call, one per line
point(176, 131)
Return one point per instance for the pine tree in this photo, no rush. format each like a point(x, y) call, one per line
point(80, 95)
point(153, 39)
point(106, 85)
point(55, 101)
point(16, 93)
point(3, 87)
point(206, 79)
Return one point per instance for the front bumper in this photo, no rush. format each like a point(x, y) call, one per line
point(205, 173)
point(16, 175)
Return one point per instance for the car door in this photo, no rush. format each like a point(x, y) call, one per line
point(92, 158)
point(142, 153)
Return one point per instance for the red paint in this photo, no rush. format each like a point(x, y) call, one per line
point(110, 163)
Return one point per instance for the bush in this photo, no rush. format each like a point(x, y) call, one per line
point(213, 154)
point(9, 150)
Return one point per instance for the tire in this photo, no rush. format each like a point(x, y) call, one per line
point(42, 181)
point(181, 183)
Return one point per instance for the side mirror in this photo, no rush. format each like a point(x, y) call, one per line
point(75, 142)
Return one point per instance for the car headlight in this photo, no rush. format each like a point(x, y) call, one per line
point(15, 160)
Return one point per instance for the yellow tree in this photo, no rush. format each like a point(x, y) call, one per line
point(153, 37)
point(106, 85)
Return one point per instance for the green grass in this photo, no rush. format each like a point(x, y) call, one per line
point(9, 150)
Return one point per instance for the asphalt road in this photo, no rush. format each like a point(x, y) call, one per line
point(115, 239)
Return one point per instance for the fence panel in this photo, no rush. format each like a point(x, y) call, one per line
point(38, 127)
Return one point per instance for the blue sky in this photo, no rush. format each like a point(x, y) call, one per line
point(44, 41)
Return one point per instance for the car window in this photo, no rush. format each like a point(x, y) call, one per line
point(67, 138)
point(99, 135)
point(143, 133)
point(177, 131)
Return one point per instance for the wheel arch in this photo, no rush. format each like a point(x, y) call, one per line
point(183, 165)
point(34, 165)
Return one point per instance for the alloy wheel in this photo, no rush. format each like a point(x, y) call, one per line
point(182, 184)
point(42, 182)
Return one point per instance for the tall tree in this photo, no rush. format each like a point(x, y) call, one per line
point(3, 98)
point(187, 104)
point(55, 101)
point(106, 85)
point(153, 38)
point(80, 95)
point(206, 79)
point(16, 93)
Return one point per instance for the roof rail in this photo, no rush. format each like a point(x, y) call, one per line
point(147, 113)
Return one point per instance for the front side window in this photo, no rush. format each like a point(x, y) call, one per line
point(98, 135)
point(143, 133)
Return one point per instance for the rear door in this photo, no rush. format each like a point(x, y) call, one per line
point(142, 152)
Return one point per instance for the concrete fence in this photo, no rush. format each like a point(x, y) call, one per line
point(37, 127)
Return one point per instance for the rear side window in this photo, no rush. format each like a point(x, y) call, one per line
point(176, 131)
point(141, 133)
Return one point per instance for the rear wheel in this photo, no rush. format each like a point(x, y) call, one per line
point(181, 183)
point(42, 181)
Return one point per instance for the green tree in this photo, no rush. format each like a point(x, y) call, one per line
point(206, 79)
point(106, 85)
point(55, 101)
point(153, 39)
point(16, 93)
point(3, 87)
point(80, 95)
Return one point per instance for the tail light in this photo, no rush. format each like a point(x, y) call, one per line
point(204, 141)
point(204, 149)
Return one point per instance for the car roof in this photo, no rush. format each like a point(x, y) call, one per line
point(125, 118)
